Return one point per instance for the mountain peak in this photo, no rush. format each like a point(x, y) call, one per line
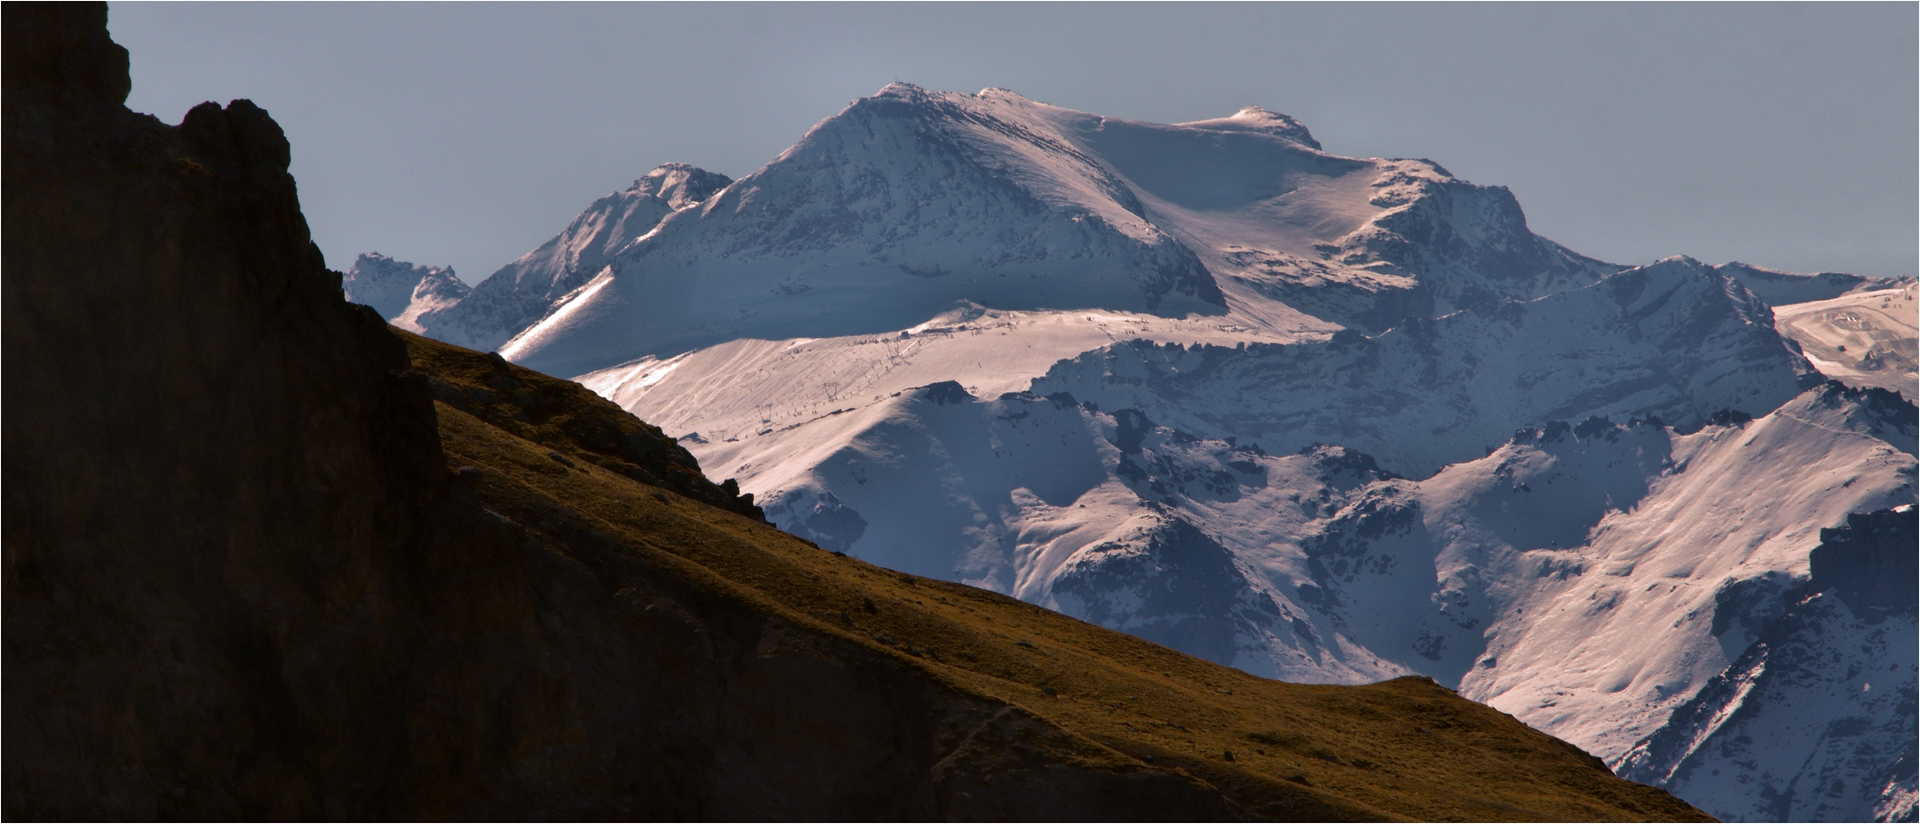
point(1256, 119)
point(680, 184)
point(901, 91)
point(400, 290)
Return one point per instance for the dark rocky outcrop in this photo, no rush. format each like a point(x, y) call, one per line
point(1871, 562)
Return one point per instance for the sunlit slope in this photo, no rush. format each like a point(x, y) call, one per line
point(1099, 700)
point(1860, 338)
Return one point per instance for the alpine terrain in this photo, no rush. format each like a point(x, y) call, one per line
point(1319, 418)
point(269, 557)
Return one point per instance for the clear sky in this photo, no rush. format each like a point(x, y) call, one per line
point(1783, 135)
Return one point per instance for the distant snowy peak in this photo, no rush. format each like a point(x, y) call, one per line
point(1256, 119)
point(524, 291)
point(1778, 288)
point(679, 185)
point(898, 207)
point(911, 201)
point(401, 291)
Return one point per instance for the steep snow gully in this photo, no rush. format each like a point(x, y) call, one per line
point(1320, 418)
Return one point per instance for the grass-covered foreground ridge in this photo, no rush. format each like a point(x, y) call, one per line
point(1403, 749)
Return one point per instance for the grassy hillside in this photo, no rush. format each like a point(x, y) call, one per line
point(1407, 748)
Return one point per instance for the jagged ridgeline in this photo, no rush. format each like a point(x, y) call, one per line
point(267, 558)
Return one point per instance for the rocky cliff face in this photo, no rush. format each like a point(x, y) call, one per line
point(218, 473)
point(266, 559)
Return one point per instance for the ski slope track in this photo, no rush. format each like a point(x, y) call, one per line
point(1320, 418)
point(1865, 338)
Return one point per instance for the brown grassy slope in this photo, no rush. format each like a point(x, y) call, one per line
point(541, 409)
point(1406, 748)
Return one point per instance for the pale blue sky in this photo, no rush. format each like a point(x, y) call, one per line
point(1784, 135)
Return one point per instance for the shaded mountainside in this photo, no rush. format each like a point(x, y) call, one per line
point(264, 558)
point(1816, 720)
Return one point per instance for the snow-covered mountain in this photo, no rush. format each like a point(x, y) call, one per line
point(910, 201)
point(1321, 418)
point(524, 291)
point(1591, 579)
point(400, 291)
point(1864, 337)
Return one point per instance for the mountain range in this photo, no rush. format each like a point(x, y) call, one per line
point(1318, 418)
point(267, 556)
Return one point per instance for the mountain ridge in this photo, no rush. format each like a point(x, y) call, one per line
point(524, 291)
